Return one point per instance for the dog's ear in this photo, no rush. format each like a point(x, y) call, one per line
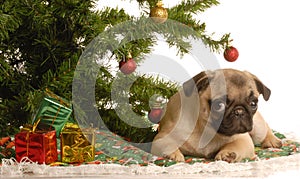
point(199, 82)
point(261, 88)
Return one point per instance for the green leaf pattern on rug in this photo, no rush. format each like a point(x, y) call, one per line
point(289, 147)
point(111, 148)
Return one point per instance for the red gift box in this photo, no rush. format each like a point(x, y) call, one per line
point(38, 146)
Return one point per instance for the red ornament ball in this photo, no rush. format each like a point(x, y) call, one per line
point(155, 115)
point(231, 54)
point(127, 66)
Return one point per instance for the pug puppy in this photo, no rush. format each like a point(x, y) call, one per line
point(215, 116)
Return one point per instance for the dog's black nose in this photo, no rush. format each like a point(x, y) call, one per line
point(239, 111)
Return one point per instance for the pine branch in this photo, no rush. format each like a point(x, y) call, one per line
point(195, 6)
point(149, 3)
point(8, 24)
point(217, 45)
point(111, 16)
point(183, 14)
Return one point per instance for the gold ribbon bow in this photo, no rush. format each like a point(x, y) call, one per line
point(29, 129)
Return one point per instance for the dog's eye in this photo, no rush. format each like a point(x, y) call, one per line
point(218, 106)
point(253, 105)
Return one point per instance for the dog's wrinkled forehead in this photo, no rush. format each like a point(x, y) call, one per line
point(223, 80)
point(228, 78)
point(238, 80)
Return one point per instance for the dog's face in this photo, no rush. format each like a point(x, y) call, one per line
point(228, 99)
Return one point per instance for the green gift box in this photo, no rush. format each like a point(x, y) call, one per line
point(53, 111)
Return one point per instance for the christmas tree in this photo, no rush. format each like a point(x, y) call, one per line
point(44, 44)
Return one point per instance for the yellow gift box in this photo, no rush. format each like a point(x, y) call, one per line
point(77, 145)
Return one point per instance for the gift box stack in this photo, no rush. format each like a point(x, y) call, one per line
point(54, 135)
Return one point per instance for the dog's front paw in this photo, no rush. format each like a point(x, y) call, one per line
point(176, 156)
point(271, 141)
point(227, 156)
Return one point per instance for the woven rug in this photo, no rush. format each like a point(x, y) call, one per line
point(115, 157)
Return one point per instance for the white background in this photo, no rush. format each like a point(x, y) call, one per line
point(267, 35)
